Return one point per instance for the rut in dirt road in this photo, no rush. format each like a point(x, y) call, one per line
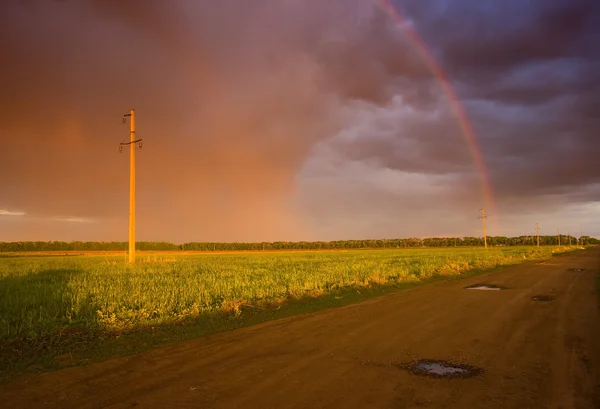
point(528, 353)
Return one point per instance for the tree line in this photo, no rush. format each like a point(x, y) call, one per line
point(493, 241)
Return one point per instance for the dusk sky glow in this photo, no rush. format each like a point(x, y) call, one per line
point(299, 119)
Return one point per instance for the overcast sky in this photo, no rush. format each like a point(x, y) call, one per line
point(297, 119)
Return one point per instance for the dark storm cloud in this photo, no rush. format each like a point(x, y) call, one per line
point(529, 71)
point(415, 141)
point(244, 106)
point(552, 31)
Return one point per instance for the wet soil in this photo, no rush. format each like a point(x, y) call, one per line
point(542, 298)
point(441, 369)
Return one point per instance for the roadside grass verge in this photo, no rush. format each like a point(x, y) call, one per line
point(57, 312)
point(598, 285)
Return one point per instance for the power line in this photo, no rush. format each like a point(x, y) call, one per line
point(483, 217)
point(131, 143)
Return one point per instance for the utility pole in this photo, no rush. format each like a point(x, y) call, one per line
point(131, 143)
point(483, 217)
point(537, 231)
point(558, 235)
point(569, 239)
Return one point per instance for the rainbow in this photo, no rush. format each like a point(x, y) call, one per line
point(459, 111)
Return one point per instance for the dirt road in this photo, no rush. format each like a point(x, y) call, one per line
point(535, 354)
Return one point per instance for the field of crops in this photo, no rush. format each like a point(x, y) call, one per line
point(41, 296)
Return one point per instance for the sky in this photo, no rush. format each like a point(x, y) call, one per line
point(295, 120)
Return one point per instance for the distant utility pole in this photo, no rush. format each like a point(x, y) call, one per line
point(483, 217)
point(558, 235)
point(537, 232)
point(569, 239)
point(131, 143)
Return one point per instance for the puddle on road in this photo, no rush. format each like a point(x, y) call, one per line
point(542, 298)
point(440, 369)
point(436, 368)
point(576, 270)
point(485, 287)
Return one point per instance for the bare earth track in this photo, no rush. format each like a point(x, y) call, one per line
point(535, 354)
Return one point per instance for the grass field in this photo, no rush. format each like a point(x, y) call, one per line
point(48, 304)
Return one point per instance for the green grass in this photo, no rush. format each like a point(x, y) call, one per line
point(96, 306)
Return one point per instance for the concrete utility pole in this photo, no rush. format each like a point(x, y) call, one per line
point(483, 217)
point(131, 143)
point(537, 231)
point(558, 235)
